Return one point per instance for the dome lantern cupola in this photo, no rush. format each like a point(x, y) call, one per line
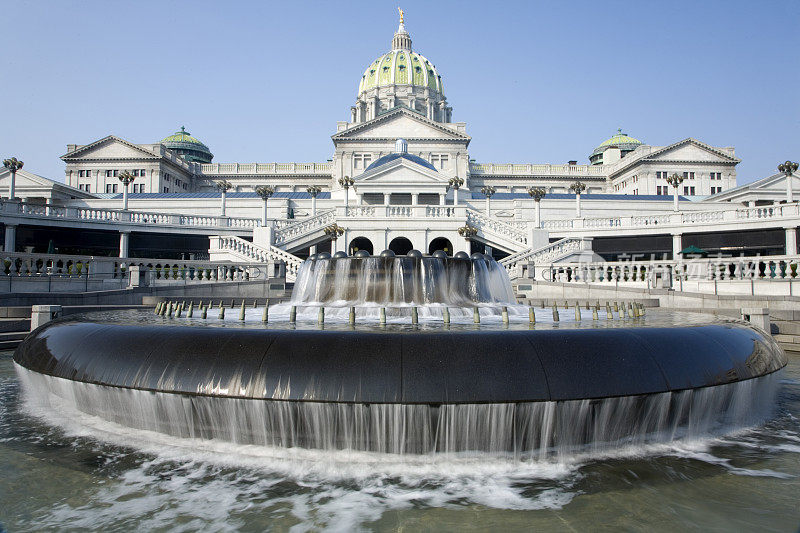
point(401, 78)
point(401, 39)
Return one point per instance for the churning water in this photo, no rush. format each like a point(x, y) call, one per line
point(61, 469)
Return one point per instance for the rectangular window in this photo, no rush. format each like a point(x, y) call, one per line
point(716, 175)
point(116, 173)
point(661, 175)
point(166, 189)
point(688, 175)
point(108, 173)
point(440, 160)
point(142, 173)
point(361, 161)
point(114, 187)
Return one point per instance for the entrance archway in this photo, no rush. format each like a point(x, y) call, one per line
point(440, 243)
point(401, 246)
point(360, 243)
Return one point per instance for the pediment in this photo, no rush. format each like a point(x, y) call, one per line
point(400, 123)
point(691, 150)
point(401, 172)
point(110, 147)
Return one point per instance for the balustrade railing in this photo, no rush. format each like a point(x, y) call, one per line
point(302, 228)
point(103, 269)
point(545, 254)
point(671, 272)
point(501, 228)
point(124, 217)
point(248, 251)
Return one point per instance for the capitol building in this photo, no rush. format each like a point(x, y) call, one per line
point(400, 177)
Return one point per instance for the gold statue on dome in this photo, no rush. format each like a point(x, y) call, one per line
point(401, 14)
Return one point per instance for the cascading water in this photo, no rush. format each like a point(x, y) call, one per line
point(401, 281)
point(527, 390)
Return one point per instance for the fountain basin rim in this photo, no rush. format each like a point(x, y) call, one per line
point(413, 367)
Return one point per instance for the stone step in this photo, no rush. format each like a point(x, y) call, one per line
point(787, 327)
point(10, 340)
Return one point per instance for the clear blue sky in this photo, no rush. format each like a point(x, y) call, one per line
point(541, 82)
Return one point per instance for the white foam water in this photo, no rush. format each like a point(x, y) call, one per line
point(523, 430)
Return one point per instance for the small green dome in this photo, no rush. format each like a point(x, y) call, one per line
point(620, 140)
point(401, 67)
point(187, 146)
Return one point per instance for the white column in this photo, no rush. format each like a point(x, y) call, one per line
point(314, 205)
point(222, 204)
point(124, 197)
point(538, 214)
point(11, 238)
point(578, 205)
point(789, 192)
point(124, 239)
point(441, 199)
point(312, 249)
point(675, 199)
point(488, 206)
point(414, 199)
point(346, 196)
point(677, 245)
point(455, 196)
point(264, 214)
point(791, 241)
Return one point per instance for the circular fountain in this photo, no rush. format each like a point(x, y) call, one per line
point(467, 383)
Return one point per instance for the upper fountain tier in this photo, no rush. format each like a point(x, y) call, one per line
point(387, 280)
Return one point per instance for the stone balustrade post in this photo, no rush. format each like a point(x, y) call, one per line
point(42, 314)
point(10, 238)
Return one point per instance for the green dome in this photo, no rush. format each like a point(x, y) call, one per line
point(187, 146)
point(401, 67)
point(622, 141)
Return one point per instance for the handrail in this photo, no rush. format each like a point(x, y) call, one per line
point(250, 251)
point(304, 227)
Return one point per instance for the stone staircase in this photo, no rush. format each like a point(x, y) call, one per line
point(303, 233)
point(546, 254)
point(511, 237)
point(238, 249)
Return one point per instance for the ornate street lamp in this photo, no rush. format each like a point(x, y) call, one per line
point(468, 232)
point(455, 184)
point(126, 178)
point(13, 164)
point(675, 180)
point(334, 231)
point(314, 190)
point(224, 186)
point(537, 193)
point(488, 192)
point(577, 187)
point(788, 168)
point(346, 182)
point(265, 192)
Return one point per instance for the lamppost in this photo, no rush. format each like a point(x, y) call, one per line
point(488, 192)
point(265, 191)
point(455, 184)
point(224, 186)
point(468, 232)
point(577, 187)
point(333, 232)
point(12, 165)
point(346, 182)
point(314, 190)
point(788, 168)
point(537, 193)
point(675, 180)
point(126, 178)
